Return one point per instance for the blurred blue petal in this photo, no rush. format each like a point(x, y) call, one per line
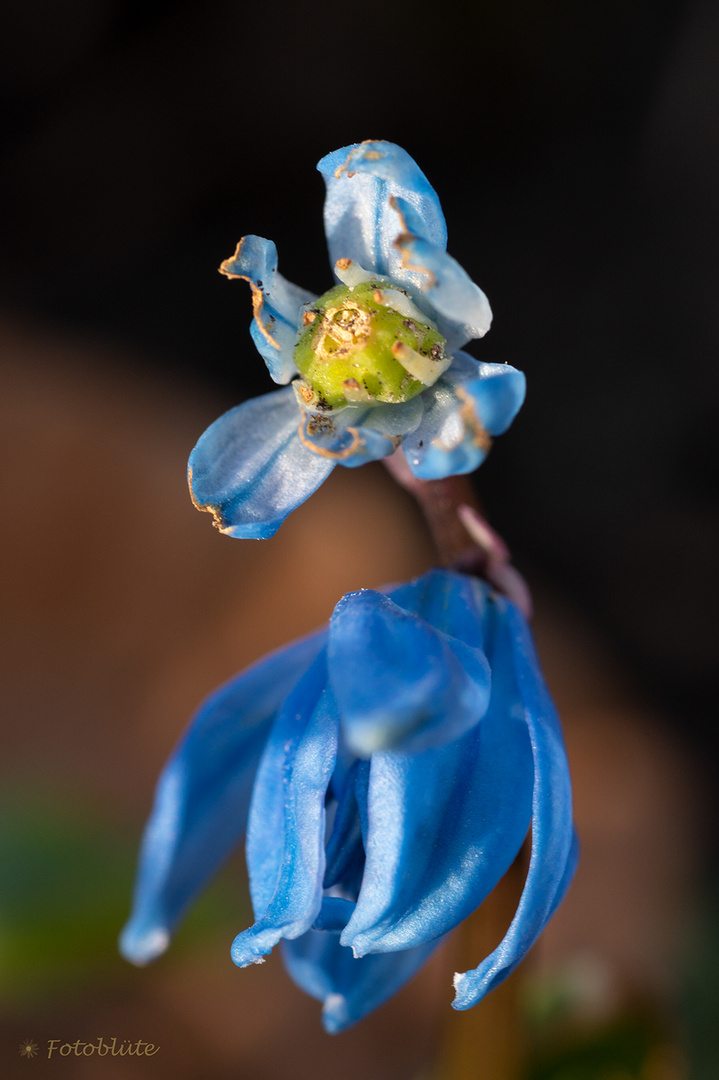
point(276, 303)
point(468, 405)
point(203, 796)
point(398, 680)
point(286, 830)
point(250, 470)
point(360, 222)
point(554, 847)
point(349, 988)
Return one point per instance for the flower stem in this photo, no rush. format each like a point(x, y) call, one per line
point(464, 539)
point(439, 501)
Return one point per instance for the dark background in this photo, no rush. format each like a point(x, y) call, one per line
point(575, 149)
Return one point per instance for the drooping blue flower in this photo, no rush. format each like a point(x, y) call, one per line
point(387, 770)
point(383, 352)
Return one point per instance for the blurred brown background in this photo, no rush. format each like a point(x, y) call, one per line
point(575, 150)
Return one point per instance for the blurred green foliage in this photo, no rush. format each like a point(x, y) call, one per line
point(67, 872)
point(700, 997)
point(582, 1025)
point(629, 1047)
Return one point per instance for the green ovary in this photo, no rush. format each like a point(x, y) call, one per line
point(346, 355)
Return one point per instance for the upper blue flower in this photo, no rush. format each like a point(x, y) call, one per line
point(387, 770)
point(379, 355)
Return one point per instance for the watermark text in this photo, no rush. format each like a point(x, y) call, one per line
point(115, 1048)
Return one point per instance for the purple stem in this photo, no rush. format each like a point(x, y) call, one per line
point(463, 538)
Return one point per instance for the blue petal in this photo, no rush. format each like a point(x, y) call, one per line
point(554, 846)
point(203, 794)
point(360, 222)
point(498, 394)
point(250, 470)
point(469, 404)
point(444, 826)
point(276, 303)
point(460, 307)
point(266, 831)
point(336, 438)
point(354, 435)
point(344, 850)
point(398, 681)
point(286, 829)
point(350, 989)
point(449, 601)
point(392, 420)
point(334, 914)
point(568, 874)
point(344, 846)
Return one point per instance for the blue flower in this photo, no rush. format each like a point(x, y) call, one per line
point(381, 354)
point(386, 770)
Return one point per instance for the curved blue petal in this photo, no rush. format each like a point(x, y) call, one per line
point(360, 222)
point(334, 914)
point(348, 988)
point(554, 847)
point(449, 601)
point(286, 829)
point(466, 407)
point(568, 874)
point(250, 470)
point(266, 828)
point(398, 681)
point(498, 394)
point(445, 825)
point(377, 435)
point(336, 438)
point(203, 795)
point(461, 309)
point(276, 303)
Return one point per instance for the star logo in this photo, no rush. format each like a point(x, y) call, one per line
point(28, 1048)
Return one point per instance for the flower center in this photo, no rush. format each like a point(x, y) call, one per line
point(367, 343)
